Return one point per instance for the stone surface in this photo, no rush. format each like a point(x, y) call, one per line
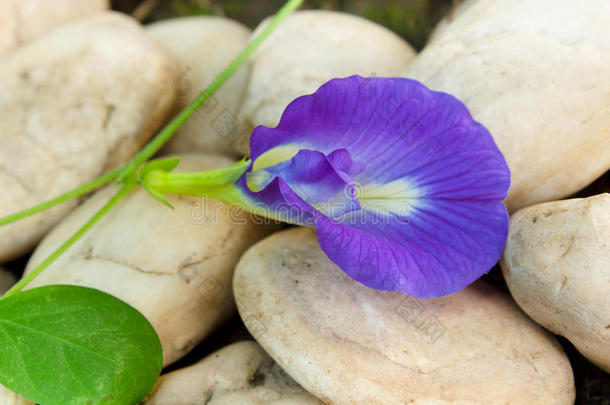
point(348, 344)
point(203, 47)
point(174, 266)
point(534, 73)
point(22, 21)
point(7, 279)
point(241, 373)
point(73, 104)
point(557, 266)
point(310, 48)
point(8, 397)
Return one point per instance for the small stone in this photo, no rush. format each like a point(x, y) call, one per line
point(556, 265)
point(8, 397)
point(308, 49)
point(240, 373)
point(78, 102)
point(22, 21)
point(204, 47)
point(7, 279)
point(349, 344)
point(174, 266)
point(535, 74)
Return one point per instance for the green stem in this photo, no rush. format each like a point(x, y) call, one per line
point(77, 192)
point(126, 188)
point(128, 172)
point(166, 133)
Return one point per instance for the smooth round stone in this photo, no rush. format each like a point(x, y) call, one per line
point(308, 49)
point(556, 265)
point(203, 47)
point(535, 74)
point(78, 102)
point(22, 21)
point(348, 344)
point(8, 397)
point(174, 266)
point(7, 279)
point(241, 373)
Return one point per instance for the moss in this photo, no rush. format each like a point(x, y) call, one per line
point(180, 8)
point(404, 21)
point(412, 19)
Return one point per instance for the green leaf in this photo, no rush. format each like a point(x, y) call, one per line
point(65, 345)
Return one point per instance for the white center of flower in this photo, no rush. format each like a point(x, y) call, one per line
point(398, 197)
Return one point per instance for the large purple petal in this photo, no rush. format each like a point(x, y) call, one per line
point(397, 128)
point(435, 251)
point(429, 179)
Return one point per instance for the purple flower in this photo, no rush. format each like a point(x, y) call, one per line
point(403, 187)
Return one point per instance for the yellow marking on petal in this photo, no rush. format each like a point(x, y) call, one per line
point(398, 197)
point(274, 156)
point(257, 180)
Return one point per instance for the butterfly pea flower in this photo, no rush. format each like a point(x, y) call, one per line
point(403, 187)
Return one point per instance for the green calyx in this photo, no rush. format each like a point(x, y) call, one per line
point(155, 177)
point(75, 345)
point(216, 183)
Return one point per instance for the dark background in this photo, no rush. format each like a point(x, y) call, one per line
point(412, 19)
